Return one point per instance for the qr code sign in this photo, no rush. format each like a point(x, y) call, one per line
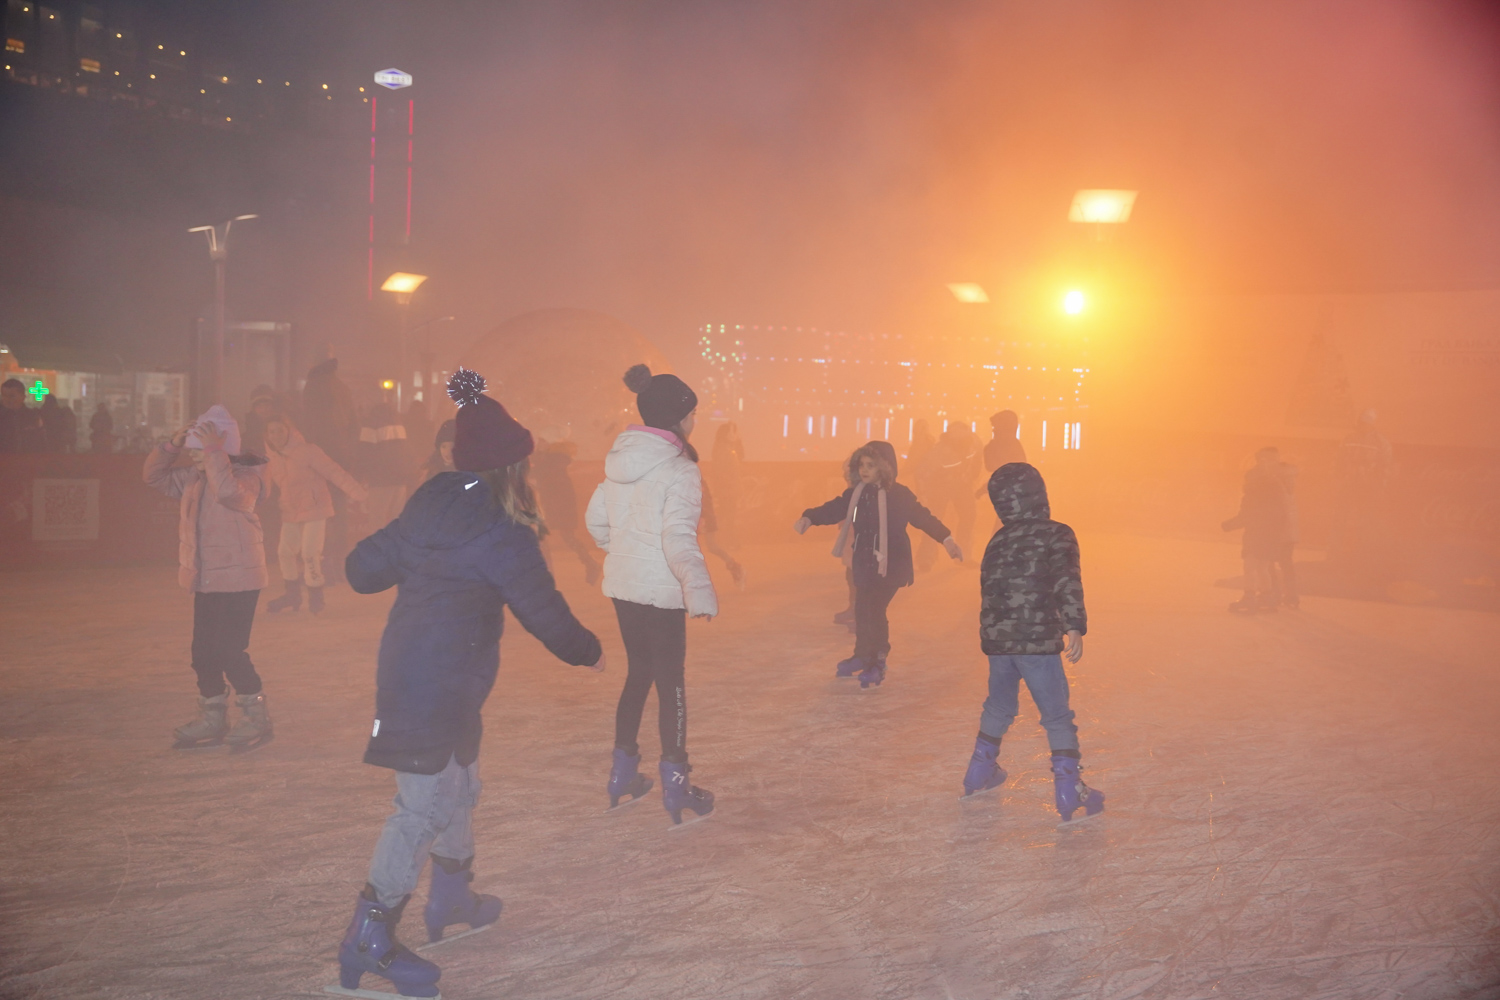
point(65, 510)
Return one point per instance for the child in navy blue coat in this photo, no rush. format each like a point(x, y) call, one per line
point(463, 549)
point(874, 513)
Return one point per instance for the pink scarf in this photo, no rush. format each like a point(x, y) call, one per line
point(882, 541)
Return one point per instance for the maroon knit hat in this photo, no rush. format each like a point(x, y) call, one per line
point(486, 437)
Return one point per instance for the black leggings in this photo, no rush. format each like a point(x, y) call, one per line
point(221, 636)
point(872, 632)
point(656, 649)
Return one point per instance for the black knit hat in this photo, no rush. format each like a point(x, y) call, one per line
point(664, 400)
point(485, 436)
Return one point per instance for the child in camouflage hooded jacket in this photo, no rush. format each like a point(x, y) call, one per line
point(1031, 616)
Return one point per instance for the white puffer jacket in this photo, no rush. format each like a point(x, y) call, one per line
point(645, 516)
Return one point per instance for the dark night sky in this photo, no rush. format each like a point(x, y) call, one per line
point(825, 163)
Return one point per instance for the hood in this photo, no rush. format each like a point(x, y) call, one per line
point(1019, 494)
point(636, 453)
point(294, 440)
point(888, 452)
point(449, 510)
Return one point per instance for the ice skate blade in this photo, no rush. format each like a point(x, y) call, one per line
point(688, 821)
point(376, 994)
point(448, 938)
point(981, 793)
point(623, 805)
point(194, 745)
point(1070, 824)
point(239, 749)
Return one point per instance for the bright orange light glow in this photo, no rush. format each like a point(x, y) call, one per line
point(1074, 302)
point(388, 384)
point(968, 292)
point(402, 282)
point(1102, 206)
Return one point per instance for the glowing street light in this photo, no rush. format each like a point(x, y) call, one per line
point(1074, 302)
point(403, 285)
point(1102, 206)
point(968, 292)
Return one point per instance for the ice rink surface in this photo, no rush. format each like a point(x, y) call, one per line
point(1304, 804)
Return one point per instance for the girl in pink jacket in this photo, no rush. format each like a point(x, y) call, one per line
point(302, 471)
point(222, 560)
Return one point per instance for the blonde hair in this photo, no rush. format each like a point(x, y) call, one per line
point(510, 489)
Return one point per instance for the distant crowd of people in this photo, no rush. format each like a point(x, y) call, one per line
point(52, 426)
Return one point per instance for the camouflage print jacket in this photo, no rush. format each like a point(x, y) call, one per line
point(1030, 589)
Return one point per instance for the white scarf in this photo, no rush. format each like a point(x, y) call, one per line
point(882, 540)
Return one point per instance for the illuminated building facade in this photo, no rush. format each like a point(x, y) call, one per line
point(803, 392)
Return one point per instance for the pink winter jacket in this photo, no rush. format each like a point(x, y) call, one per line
point(303, 471)
point(220, 548)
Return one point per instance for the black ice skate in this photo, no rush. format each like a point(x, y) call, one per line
point(209, 729)
point(253, 731)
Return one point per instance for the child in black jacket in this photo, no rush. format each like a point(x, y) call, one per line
point(875, 512)
point(1031, 616)
point(463, 549)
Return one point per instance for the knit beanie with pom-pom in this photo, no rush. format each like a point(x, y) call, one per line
point(485, 436)
point(664, 400)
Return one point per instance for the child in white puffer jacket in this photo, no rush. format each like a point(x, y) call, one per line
point(645, 517)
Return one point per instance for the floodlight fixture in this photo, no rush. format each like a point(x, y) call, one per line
point(403, 283)
point(969, 292)
point(1102, 206)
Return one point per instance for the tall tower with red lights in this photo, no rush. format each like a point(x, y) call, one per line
point(393, 129)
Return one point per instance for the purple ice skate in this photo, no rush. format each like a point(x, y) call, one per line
point(873, 674)
point(851, 667)
point(625, 779)
point(677, 794)
point(450, 900)
point(984, 774)
point(370, 945)
point(1072, 793)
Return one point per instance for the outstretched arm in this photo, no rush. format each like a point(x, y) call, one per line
point(832, 512)
point(514, 565)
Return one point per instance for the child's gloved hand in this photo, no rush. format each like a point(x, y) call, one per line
point(803, 523)
point(1073, 646)
point(954, 552)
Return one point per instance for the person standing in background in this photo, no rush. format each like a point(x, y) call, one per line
point(59, 425)
point(263, 406)
point(1003, 448)
point(418, 431)
point(441, 459)
point(330, 421)
point(101, 430)
point(554, 486)
point(728, 466)
point(21, 427)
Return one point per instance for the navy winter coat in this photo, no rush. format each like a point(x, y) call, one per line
point(456, 560)
point(901, 508)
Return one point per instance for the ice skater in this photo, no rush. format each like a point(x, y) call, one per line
point(302, 471)
point(645, 517)
point(222, 560)
point(1266, 516)
point(462, 550)
point(874, 513)
point(1031, 616)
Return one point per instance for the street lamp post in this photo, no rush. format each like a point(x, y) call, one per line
point(404, 286)
point(218, 252)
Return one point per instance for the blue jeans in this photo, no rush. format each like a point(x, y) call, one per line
point(433, 813)
point(1048, 685)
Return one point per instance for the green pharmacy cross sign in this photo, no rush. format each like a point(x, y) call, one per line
point(39, 390)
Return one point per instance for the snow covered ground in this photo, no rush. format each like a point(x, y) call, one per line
point(1300, 805)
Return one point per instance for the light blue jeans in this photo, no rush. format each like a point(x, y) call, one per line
point(1048, 684)
point(433, 813)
